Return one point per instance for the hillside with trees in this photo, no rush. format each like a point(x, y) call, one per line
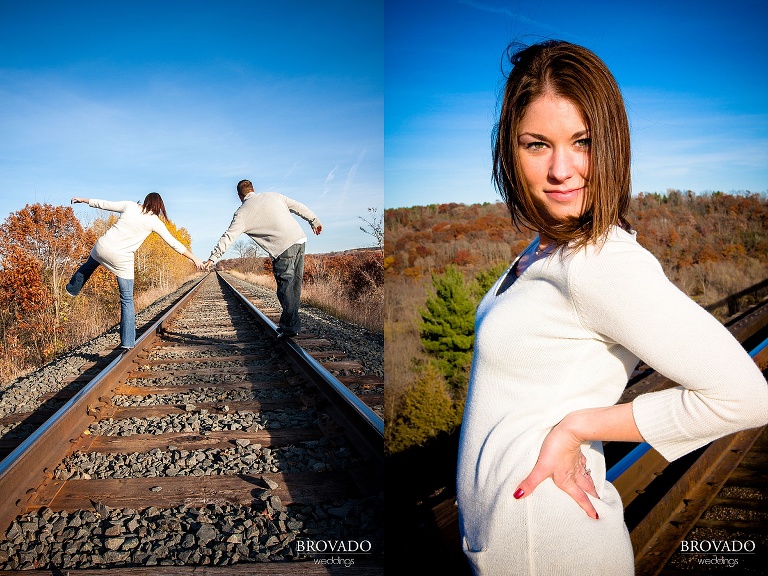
point(41, 246)
point(440, 259)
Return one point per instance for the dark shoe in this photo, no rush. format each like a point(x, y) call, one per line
point(68, 292)
point(283, 333)
point(124, 348)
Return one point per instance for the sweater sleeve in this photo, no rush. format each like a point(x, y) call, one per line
point(303, 211)
point(162, 231)
point(623, 295)
point(108, 205)
point(236, 228)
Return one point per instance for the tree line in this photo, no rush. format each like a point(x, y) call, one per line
point(41, 246)
point(440, 259)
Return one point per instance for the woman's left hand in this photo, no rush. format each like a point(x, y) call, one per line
point(562, 460)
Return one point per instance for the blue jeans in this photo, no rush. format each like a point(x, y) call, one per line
point(288, 269)
point(127, 315)
point(80, 277)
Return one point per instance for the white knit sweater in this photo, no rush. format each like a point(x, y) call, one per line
point(115, 249)
point(565, 336)
point(266, 217)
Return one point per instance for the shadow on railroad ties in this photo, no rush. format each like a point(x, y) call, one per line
point(421, 519)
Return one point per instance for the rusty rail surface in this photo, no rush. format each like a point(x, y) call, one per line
point(366, 429)
point(31, 463)
point(26, 474)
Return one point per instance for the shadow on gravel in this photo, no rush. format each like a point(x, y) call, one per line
point(31, 421)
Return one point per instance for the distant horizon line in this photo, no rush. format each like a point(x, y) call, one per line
point(740, 192)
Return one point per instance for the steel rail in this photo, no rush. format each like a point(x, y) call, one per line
point(366, 428)
point(31, 463)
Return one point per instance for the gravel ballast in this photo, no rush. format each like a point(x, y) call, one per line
point(219, 533)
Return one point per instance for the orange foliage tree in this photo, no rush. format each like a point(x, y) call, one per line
point(40, 246)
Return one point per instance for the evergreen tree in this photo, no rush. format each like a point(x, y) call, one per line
point(425, 410)
point(448, 327)
point(485, 279)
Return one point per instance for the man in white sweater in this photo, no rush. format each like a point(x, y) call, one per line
point(266, 218)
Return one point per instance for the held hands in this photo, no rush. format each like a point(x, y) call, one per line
point(561, 459)
point(317, 229)
point(206, 266)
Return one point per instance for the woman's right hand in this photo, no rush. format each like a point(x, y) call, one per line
point(561, 459)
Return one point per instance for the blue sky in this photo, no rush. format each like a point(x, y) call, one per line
point(331, 103)
point(115, 99)
point(694, 75)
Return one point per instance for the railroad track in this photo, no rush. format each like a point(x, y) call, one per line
point(211, 443)
point(713, 497)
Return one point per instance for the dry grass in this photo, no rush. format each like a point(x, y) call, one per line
point(82, 319)
point(144, 299)
point(328, 296)
point(367, 311)
point(402, 339)
point(265, 280)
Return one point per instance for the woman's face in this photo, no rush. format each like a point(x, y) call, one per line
point(553, 149)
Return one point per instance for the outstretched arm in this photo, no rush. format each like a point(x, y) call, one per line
point(304, 212)
point(174, 243)
point(198, 264)
point(236, 228)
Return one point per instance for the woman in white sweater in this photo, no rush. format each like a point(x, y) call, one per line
point(560, 333)
point(115, 249)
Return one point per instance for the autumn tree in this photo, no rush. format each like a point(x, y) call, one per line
point(157, 264)
point(40, 247)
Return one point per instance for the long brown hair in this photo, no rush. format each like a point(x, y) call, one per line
point(154, 203)
point(572, 72)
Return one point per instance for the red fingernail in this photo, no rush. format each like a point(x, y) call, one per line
point(518, 494)
point(597, 516)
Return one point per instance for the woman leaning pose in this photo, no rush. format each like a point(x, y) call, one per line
point(115, 249)
point(560, 333)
